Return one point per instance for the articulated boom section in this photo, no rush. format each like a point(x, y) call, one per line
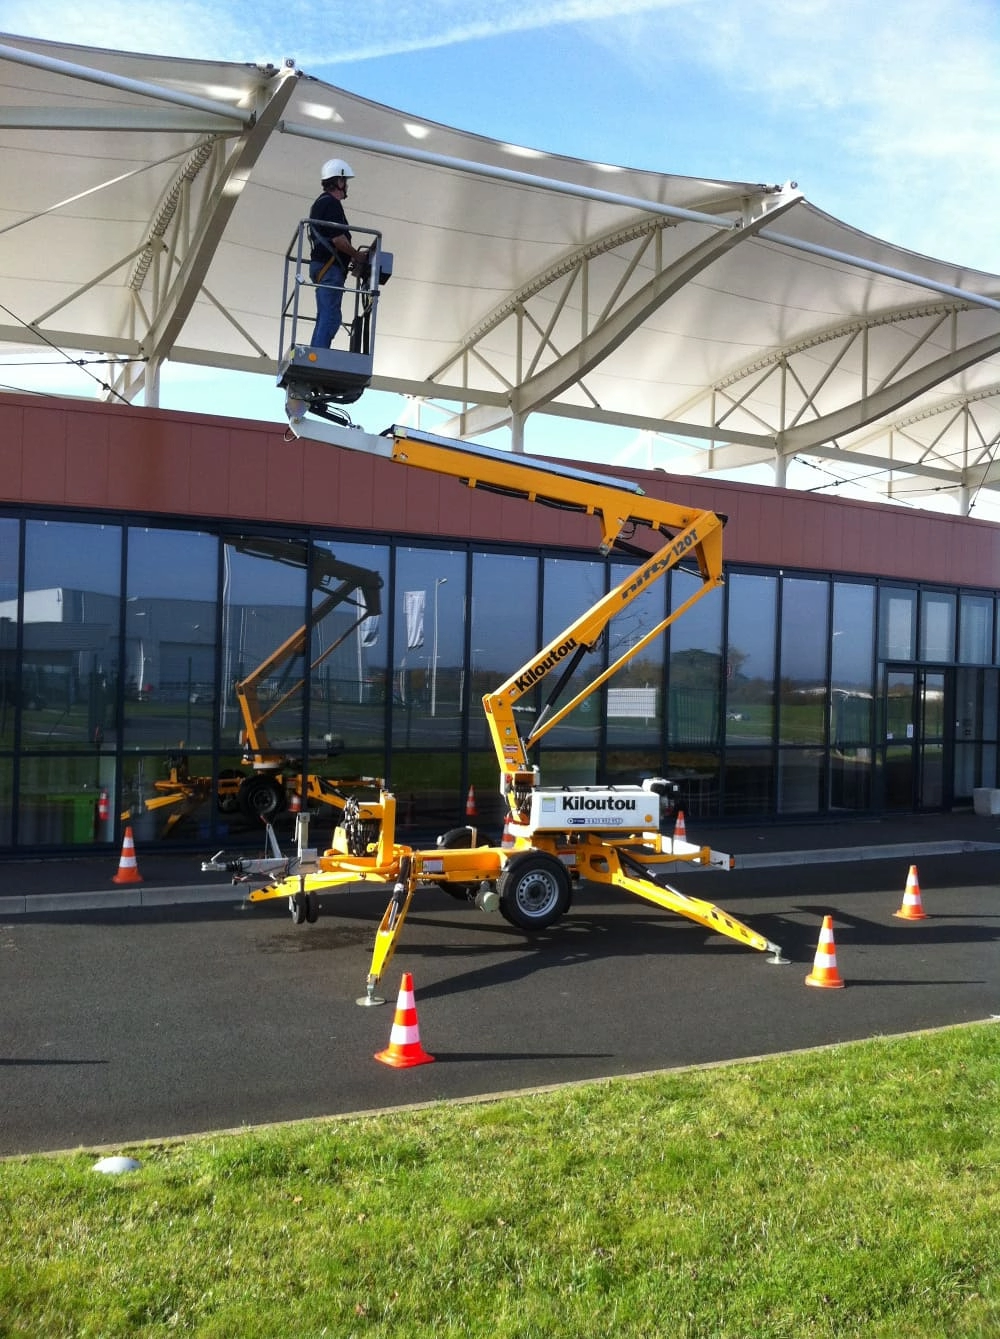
point(701, 539)
point(554, 837)
point(339, 581)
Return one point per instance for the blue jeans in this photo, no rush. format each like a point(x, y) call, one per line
point(329, 300)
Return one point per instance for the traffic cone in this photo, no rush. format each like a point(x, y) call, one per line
point(128, 870)
point(824, 972)
point(295, 803)
point(507, 840)
point(404, 1047)
point(470, 803)
point(912, 908)
point(680, 832)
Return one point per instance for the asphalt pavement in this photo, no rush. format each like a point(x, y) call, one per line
point(173, 1007)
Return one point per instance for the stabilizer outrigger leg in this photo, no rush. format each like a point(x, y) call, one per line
point(389, 931)
point(629, 873)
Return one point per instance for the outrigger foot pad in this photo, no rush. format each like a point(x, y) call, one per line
point(370, 999)
point(776, 959)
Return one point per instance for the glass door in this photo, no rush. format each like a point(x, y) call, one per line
point(915, 746)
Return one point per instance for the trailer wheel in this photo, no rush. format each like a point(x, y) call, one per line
point(534, 889)
point(297, 906)
point(312, 908)
point(454, 839)
point(229, 802)
point(262, 798)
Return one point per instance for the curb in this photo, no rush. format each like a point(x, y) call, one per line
point(839, 855)
point(138, 897)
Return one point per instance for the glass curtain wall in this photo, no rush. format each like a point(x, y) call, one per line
point(428, 682)
point(852, 696)
point(349, 659)
point(68, 687)
point(694, 697)
point(569, 752)
point(802, 695)
point(977, 698)
point(183, 680)
point(750, 694)
point(11, 685)
point(504, 631)
point(169, 702)
point(634, 697)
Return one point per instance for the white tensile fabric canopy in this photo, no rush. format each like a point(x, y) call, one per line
point(148, 203)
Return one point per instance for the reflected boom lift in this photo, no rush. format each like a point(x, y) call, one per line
point(553, 836)
point(275, 775)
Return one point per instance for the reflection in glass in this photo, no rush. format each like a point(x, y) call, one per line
point(749, 784)
point(9, 685)
point(69, 679)
point(937, 625)
point(6, 801)
point(571, 767)
point(570, 587)
point(975, 630)
point(695, 689)
point(428, 800)
point(634, 696)
point(263, 608)
point(800, 780)
point(897, 618)
point(428, 648)
point(350, 653)
point(802, 674)
point(60, 801)
point(170, 622)
point(698, 775)
point(852, 695)
point(750, 659)
point(977, 700)
point(504, 631)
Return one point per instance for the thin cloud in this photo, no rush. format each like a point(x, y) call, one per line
point(226, 31)
point(396, 30)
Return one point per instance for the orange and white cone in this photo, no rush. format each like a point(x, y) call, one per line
point(680, 831)
point(912, 908)
point(404, 1047)
point(128, 869)
point(470, 803)
point(824, 972)
point(507, 840)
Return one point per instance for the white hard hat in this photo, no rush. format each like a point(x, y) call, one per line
point(335, 167)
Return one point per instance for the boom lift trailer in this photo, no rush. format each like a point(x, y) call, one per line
point(553, 836)
point(263, 792)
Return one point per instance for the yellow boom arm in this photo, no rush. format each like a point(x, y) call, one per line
point(686, 534)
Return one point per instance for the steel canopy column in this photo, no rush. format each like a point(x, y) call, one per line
point(151, 384)
point(517, 422)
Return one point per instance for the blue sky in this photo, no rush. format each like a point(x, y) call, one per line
point(886, 115)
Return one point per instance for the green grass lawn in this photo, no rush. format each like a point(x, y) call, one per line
point(852, 1191)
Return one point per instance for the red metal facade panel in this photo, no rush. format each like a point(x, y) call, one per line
point(85, 455)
